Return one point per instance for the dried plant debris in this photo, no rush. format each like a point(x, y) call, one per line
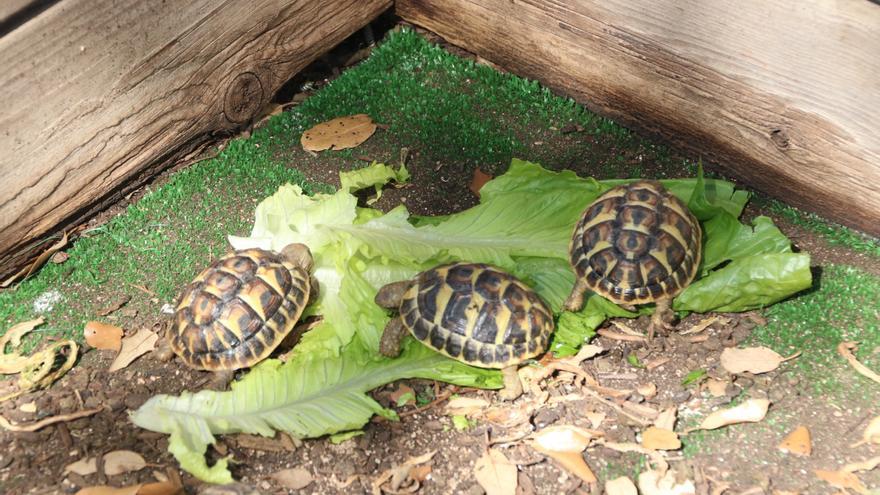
point(339, 133)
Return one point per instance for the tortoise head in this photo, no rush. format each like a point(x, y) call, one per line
point(300, 255)
point(391, 295)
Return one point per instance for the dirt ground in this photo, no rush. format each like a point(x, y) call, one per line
point(744, 459)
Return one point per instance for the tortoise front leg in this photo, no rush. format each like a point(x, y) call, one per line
point(392, 337)
point(220, 380)
point(512, 385)
point(575, 300)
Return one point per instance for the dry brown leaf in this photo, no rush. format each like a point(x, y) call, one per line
point(82, 467)
point(160, 488)
point(704, 324)
point(846, 350)
point(466, 406)
point(866, 465)
point(596, 418)
point(656, 363)
point(647, 390)
point(59, 257)
point(509, 417)
point(339, 133)
point(478, 180)
point(842, 479)
point(564, 444)
point(403, 470)
point(28, 407)
point(755, 360)
point(41, 259)
point(122, 461)
point(660, 439)
point(716, 388)
point(750, 411)
point(293, 479)
point(666, 418)
point(495, 473)
point(620, 486)
point(13, 362)
point(401, 391)
point(657, 483)
point(797, 442)
point(872, 432)
point(420, 473)
point(134, 347)
point(103, 336)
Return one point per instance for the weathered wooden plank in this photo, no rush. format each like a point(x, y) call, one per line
point(786, 95)
point(98, 95)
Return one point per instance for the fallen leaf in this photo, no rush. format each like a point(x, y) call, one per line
point(647, 390)
point(466, 406)
point(495, 473)
point(755, 360)
point(103, 336)
point(11, 363)
point(660, 439)
point(509, 417)
point(339, 133)
point(872, 432)
point(122, 461)
point(109, 490)
point(666, 418)
point(403, 395)
point(596, 418)
point(846, 350)
point(160, 488)
point(842, 479)
point(420, 473)
point(620, 486)
point(656, 363)
point(134, 347)
point(704, 324)
point(750, 411)
point(797, 442)
point(41, 259)
point(28, 407)
point(59, 257)
point(294, 479)
point(82, 467)
point(564, 444)
point(866, 465)
point(656, 483)
point(398, 474)
point(716, 388)
point(478, 180)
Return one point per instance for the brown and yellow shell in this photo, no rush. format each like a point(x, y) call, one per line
point(636, 243)
point(238, 310)
point(477, 314)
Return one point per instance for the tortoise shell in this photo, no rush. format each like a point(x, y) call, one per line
point(477, 314)
point(636, 243)
point(238, 310)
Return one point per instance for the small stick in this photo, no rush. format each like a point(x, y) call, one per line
point(48, 421)
point(143, 289)
point(604, 332)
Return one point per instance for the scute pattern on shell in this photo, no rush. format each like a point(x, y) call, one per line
point(637, 243)
point(238, 310)
point(477, 314)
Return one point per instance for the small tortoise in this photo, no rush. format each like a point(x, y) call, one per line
point(471, 312)
point(635, 244)
point(239, 309)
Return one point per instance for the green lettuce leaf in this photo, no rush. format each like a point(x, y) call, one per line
point(375, 176)
point(523, 224)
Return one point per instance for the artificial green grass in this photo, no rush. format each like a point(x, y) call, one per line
point(844, 305)
point(837, 235)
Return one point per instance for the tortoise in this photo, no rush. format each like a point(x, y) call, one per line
point(240, 308)
point(471, 312)
point(635, 244)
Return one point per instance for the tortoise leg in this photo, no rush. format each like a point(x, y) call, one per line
point(392, 337)
point(314, 291)
point(220, 380)
point(575, 300)
point(163, 351)
point(661, 317)
point(390, 296)
point(512, 385)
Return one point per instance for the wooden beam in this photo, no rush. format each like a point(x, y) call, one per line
point(99, 95)
point(786, 95)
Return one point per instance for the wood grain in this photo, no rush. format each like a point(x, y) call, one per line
point(785, 95)
point(99, 95)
